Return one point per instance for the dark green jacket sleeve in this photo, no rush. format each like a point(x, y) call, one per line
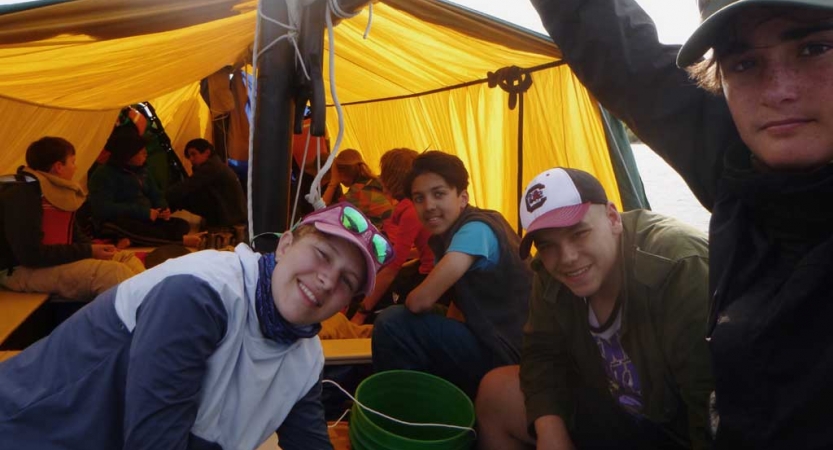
point(612, 47)
point(104, 186)
point(545, 360)
point(685, 346)
point(153, 192)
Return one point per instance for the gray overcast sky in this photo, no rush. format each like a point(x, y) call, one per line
point(675, 19)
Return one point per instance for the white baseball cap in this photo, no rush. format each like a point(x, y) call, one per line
point(558, 198)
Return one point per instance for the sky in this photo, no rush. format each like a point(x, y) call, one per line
point(675, 19)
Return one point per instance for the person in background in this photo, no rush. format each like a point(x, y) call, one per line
point(750, 129)
point(210, 350)
point(41, 247)
point(477, 257)
point(125, 201)
point(212, 192)
point(613, 354)
point(405, 232)
point(306, 160)
point(364, 190)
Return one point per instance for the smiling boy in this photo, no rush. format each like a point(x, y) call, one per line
point(477, 257)
point(42, 248)
point(754, 142)
point(613, 353)
point(213, 350)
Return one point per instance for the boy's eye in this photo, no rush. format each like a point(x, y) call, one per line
point(417, 199)
point(581, 234)
point(439, 194)
point(814, 49)
point(322, 254)
point(742, 65)
point(349, 283)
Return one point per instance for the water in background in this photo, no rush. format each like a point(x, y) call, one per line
point(666, 190)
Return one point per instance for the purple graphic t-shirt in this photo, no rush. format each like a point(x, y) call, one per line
point(623, 381)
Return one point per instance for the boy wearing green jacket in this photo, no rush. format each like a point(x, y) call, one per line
point(613, 353)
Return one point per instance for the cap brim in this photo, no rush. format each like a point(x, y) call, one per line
point(557, 218)
point(370, 261)
point(703, 37)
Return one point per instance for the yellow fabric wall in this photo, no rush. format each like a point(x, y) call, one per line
point(562, 127)
point(73, 86)
point(67, 69)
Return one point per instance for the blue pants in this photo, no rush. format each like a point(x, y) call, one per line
point(430, 343)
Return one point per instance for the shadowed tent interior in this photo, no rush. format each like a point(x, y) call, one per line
point(418, 81)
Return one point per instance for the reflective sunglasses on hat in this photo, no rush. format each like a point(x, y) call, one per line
point(347, 222)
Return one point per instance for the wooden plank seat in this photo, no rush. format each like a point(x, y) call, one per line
point(15, 308)
point(346, 351)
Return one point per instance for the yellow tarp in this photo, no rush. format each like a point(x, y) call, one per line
point(67, 69)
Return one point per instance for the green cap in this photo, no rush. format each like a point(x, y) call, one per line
point(715, 14)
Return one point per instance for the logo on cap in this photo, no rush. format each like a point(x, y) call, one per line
point(535, 197)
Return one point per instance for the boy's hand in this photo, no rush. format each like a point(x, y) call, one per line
point(165, 214)
point(154, 214)
point(358, 318)
point(552, 434)
point(103, 251)
point(123, 243)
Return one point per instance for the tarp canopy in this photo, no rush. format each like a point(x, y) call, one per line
point(417, 81)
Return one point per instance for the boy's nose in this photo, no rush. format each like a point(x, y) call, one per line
point(568, 254)
point(780, 83)
point(327, 277)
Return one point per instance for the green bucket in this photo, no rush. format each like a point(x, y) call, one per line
point(414, 397)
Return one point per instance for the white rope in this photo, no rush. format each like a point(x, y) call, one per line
point(252, 87)
point(300, 177)
point(413, 424)
point(339, 419)
point(369, 20)
point(333, 7)
point(314, 196)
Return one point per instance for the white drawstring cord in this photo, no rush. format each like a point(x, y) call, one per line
point(314, 196)
point(436, 425)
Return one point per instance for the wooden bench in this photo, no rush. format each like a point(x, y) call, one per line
point(15, 308)
point(346, 351)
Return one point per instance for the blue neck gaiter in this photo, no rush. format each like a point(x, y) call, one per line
point(272, 324)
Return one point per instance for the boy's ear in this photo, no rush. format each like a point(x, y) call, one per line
point(465, 197)
point(284, 243)
point(614, 217)
point(56, 168)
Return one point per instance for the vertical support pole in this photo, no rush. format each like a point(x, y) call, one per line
point(520, 179)
point(273, 116)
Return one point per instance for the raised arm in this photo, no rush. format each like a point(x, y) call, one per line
point(612, 47)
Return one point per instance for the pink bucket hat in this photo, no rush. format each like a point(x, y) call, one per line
point(347, 222)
